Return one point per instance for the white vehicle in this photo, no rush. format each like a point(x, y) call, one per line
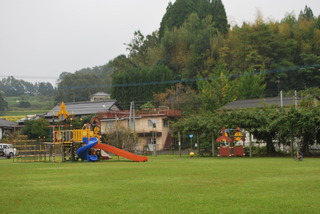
point(8, 150)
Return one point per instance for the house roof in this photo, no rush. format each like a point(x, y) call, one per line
point(254, 103)
point(85, 108)
point(7, 124)
point(100, 94)
point(154, 112)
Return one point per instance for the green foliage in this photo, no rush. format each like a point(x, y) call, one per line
point(251, 85)
point(139, 85)
point(24, 104)
point(269, 124)
point(36, 128)
point(180, 11)
point(80, 85)
point(218, 89)
point(3, 103)
point(14, 87)
point(179, 97)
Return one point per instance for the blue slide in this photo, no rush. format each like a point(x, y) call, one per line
point(82, 152)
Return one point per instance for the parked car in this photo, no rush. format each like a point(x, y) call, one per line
point(7, 150)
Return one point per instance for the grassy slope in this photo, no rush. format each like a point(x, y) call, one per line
point(165, 184)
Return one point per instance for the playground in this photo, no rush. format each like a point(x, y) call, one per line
point(164, 184)
point(70, 144)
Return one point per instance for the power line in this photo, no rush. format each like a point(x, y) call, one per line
point(169, 81)
point(196, 79)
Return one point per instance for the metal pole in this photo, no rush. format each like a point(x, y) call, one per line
point(250, 145)
point(198, 143)
point(179, 141)
point(212, 142)
point(281, 99)
point(154, 143)
point(295, 99)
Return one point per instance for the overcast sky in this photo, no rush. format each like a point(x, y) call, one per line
point(40, 39)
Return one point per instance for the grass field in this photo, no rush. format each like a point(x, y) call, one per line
point(164, 184)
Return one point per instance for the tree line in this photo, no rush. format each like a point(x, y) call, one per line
point(297, 128)
point(222, 63)
point(197, 48)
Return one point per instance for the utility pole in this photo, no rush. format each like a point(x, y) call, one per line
point(295, 99)
point(212, 142)
point(281, 99)
point(179, 142)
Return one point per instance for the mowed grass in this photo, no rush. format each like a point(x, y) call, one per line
point(164, 184)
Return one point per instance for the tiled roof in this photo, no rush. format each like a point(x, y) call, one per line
point(6, 123)
point(253, 103)
point(85, 108)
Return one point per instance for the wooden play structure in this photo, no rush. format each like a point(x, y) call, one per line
point(231, 143)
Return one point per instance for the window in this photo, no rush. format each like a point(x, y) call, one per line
point(152, 123)
point(109, 124)
point(165, 123)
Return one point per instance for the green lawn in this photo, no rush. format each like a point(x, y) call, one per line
point(164, 184)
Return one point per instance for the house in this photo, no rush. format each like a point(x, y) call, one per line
point(83, 109)
point(99, 96)
point(264, 102)
point(152, 126)
point(7, 127)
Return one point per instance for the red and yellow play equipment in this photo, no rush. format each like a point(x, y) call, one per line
point(231, 143)
point(85, 143)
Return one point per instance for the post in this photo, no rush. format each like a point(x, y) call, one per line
point(250, 145)
point(295, 99)
point(191, 136)
point(198, 143)
point(179, 142)
point(212, 142)
point(281, 99)
point(154, 140)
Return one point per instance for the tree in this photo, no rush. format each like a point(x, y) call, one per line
point(187, 49)
point(251, 85)
point(139, 85)
point(45, 89)
point(3, 103)
point(80, 85)
point(180, 11)
point(216, 90)
point(178, 97)
point(306, 13)
point(36, 128)
point(219, 16)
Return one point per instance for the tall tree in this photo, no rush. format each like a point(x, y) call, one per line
point(3, 103)
point(178, 13)
point(219, 16)
point(216, 90)
point(250, 85)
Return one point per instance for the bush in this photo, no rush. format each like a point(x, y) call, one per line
point(24, 104)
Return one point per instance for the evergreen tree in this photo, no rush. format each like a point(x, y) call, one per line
point(219, 16)
point(306, 13)
point(178, 13)
point(3, 103)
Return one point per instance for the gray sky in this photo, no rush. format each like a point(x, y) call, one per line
point(40, 39)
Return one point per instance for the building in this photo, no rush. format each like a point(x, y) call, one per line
point(7, 128)
point(152, 126)
point(79, 110)
point(99, 96)
point(264, 102)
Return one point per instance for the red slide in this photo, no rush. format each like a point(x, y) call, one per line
point(120, 152)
